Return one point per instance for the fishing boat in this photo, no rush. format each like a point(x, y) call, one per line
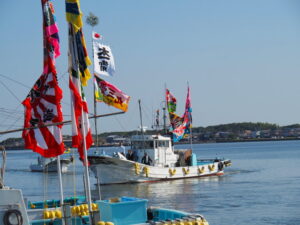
point(50, 164)
point(165, 163)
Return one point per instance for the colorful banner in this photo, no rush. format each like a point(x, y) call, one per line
point(42, 105)
point(171, 102)
point(179, 132)
point(181, 126)
point(188, 113)
point(74, 17)
point(175, 120)
point(79, 75)
point(110, 94)
point(104, 64)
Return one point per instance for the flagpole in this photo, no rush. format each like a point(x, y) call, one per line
point(60, 180)
point(95, 103)
point(83, 126)
point(164, 109)
point(191, 133)
point(95, 113)
point(86, 171)
point(92, 20)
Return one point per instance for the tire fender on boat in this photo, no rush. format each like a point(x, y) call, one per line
point(201, 170)
point(211, 167)
point(185, 170)
point(12, 214)
point(172, 172)
point(137, 168)
point(146, 170)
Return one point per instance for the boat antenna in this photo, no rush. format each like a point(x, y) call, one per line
point(141, 119)
point(164, 110)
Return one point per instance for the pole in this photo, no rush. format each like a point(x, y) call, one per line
point(60, 180)
point(83, 126)
point(191, 133)
point(54, 124)
point(86, 168)
point(95, 103)
point(141, 119)
point(164, 108)
point(191, 138)
point(165, 118)
point(95, 119)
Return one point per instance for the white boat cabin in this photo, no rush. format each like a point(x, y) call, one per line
point(157, 147)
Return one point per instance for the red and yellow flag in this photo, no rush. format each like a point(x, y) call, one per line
point(110, 94)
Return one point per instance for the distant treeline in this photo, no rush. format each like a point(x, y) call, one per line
point(230, 127)
point(233, 128)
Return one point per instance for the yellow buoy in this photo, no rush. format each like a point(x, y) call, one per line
point(109, 223)
point(94, 207)
point(46, 214)
point(58, 214)
point(82, 208)
point(51, 214)
point(73, 210)
point(100, 223)
point(86, 207)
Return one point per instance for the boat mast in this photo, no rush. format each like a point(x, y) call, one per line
point(191, 133)
point(164, 111)
point(141, 119)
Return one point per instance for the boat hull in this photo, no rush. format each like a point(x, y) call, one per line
point(51, 167)
point(111, 170)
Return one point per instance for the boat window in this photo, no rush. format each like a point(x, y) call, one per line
point(140, 144)
point(162, 144)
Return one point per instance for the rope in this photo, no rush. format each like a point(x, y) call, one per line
point(10, 91)
point(15, 81)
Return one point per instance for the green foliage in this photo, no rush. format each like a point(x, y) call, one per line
point(237, 127)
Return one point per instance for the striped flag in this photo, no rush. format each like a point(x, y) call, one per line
point(73, 14)
point(42, 105)
point(79, 75)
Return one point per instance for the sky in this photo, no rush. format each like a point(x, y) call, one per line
point(240, 58)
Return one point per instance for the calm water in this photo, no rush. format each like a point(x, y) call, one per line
point(261, 187)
